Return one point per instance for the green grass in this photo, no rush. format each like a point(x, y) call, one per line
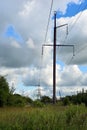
point(46, 118)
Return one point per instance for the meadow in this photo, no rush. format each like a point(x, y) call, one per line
point(49, 117)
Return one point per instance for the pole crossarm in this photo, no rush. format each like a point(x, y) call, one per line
point(62, 25)
point(33, 85)
point(54, 54)
point(54, 66)
point(65, 45)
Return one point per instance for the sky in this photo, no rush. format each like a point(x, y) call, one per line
point(22, 32)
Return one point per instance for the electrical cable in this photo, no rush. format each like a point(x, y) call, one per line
point(77, 19)
point(77, 52)
point(80, 14)
point(77, 10)
point(41, 62)
point(48, 21)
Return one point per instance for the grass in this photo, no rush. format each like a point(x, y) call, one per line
point(45, 118)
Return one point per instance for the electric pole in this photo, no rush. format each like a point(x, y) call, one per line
point(54, 54)
point(54, 62)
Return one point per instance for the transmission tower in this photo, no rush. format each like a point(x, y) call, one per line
point(39, 92)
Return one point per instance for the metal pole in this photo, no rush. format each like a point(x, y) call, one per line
point(54, 62)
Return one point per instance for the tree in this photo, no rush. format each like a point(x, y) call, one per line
point(4, 91)
point(66, 101)
point(46, 99)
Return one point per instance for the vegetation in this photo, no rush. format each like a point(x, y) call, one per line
point(22, 113)
point(76, 99)
point(46, 99)
point(7, 98)
point(4, 91)
point(48, 117)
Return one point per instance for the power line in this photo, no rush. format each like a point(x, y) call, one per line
point(73, 23)
point(80, 14)
point(77, 18)
point(41, 62)
point(48, 21)
point(71, 27)
point(76, 54)
point(68, 62)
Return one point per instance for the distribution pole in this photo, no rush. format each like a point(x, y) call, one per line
point(54, 62)
point(54, 55)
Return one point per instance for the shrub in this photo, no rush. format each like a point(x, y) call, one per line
point(66, 101)
point(38, 103)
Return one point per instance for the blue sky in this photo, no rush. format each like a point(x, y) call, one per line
point(11, 32)
point(17, 19)
point(73, 9)
point(83, 68)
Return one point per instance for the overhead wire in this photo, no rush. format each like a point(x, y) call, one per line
point(40, 66)
point(67, 33)
point(48, 21)
point(70, 28)
point(76, 53)
point(77, 17)
point(73, 23)
point(47, 27)
point(80, 14)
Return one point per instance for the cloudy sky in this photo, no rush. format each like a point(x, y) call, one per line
point(23, 27)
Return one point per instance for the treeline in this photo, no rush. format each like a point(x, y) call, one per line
point(7, 98)
point(80, 98)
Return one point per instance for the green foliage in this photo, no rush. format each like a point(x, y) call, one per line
point(4, 91)
point(46, 99)
point(18, 100)
point(76, 99)
point(66, 101)
point(8, 98)
point(70, 114)
point(28, 100)
point(50, 117)
point(38, 103)
point(77, 116)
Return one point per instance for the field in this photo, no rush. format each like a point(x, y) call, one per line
point(48, 117)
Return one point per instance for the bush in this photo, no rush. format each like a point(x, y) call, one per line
point(66, 101)
point(46, 99)
point(38, 103)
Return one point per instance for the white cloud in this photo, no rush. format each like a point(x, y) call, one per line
point(70, 76)
point(22, 61)
point(15, 44)
point(30, 43)
point(30, 20)
point(77, 37)
point(28, 8)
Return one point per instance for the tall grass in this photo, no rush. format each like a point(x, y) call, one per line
point(46, 118)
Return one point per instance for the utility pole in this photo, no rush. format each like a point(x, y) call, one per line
point(54, 61)
point(54, 55)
